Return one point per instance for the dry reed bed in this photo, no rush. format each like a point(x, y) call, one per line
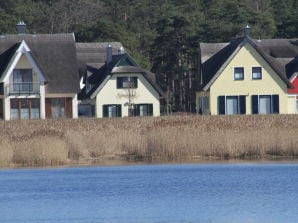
point(168, 138)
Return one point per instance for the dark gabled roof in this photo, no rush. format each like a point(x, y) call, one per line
point(54, 54)
point(121, 63)
point(6, 56)
point(278, 53)
point(93, 53)
point(216, 62)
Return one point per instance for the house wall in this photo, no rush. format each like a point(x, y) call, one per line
point(270, 83)
point(74, 103)
point(109, 94)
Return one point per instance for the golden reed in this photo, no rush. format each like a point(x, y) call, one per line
point(167, 138)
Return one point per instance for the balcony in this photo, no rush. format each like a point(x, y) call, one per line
point(24, 88)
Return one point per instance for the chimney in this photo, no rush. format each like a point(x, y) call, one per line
point(21, 28)
point(121, 50)
point(109, 50)
point(246, 30)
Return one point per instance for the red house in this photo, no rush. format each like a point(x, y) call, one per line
point(294, 81)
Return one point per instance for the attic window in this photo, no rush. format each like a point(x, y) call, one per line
point(238, 73)
point(257, 73)
point(127, 82)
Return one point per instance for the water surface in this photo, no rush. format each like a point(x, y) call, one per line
point(202, 193)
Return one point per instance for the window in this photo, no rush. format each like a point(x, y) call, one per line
point(297, 106)
point(265, 104)
point(58, 107)
point(231, 105)
point(24, 109)
point(22, 80)
point(86, 110)
point(238, 73)
point(110, 111)
point(144, 109)
point(257, 73)
point(203, 104)
point(127, 82)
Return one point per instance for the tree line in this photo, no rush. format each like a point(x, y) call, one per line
point(162, 35)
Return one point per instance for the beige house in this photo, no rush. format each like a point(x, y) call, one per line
point(115, 86)
point(38, 76)
point(246, 76)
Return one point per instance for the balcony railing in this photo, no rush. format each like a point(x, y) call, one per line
point(23, 88)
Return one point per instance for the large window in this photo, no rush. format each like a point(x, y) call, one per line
point(127, 82)
point(58, 107)
point(265, 104)
point(22, 80)
point(238, 73)
point(110, 111)
point(143, 109)
point(230, 105)
point(24, 109)
point(257, 73)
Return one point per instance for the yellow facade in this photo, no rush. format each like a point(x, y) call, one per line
point(270, 83)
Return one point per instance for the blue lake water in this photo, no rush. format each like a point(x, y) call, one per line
point(188, 193)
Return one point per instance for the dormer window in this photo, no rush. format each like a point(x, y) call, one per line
point(127, 82)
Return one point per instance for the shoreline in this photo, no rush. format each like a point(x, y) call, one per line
point(195, 161)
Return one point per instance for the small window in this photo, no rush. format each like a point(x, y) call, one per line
point(127, 82)
point(238, 73)
point(257, 73)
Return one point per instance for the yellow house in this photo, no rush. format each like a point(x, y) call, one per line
point(244, 77)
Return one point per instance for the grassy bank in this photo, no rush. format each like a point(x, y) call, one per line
point(175, 138)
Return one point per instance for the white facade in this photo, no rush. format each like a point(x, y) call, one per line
point(109, 94)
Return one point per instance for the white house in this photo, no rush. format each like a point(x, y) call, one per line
point(115, 86)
